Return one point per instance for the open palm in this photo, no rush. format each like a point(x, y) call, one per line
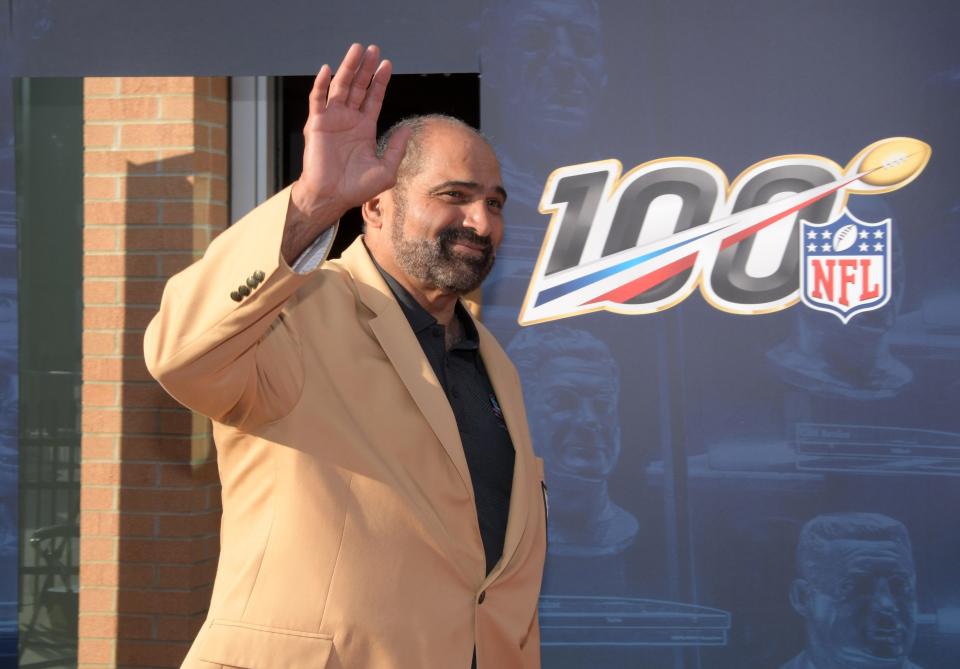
point(341, 168)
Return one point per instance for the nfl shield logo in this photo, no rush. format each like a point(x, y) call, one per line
point(845, 265)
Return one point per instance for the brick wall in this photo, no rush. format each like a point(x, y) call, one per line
point(155, 194)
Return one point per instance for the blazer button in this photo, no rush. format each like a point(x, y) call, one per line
point(235, 296)
point(253, 283)
point(243, 290)
point(483, 596)
point(259, 276)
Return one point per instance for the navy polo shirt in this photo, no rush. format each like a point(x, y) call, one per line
point(486, 442)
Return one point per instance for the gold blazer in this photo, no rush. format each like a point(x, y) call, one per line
point(349, 536)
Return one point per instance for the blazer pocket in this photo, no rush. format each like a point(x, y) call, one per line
point(237, 644)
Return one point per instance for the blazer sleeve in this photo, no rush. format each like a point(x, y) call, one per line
point(237, 362)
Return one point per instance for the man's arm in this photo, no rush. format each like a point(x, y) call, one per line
point(219, 344)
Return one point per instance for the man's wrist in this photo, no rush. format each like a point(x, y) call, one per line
point(308, 217)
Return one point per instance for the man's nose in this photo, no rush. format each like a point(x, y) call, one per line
point(480, 219)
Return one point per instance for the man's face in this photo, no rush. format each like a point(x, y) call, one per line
point(863, 607)
point(574, 413)
point(448, 216)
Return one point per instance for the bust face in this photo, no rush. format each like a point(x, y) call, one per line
point(573, 410)
point(551, 64)
point(864, 608)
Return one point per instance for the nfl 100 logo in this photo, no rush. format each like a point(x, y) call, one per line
point(781, 233)
point(845, 265)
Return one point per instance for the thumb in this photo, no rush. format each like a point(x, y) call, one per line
point(396, 149)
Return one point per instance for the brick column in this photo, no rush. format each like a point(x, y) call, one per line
point(155, 194)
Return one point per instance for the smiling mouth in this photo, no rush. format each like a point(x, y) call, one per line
point(473, 249)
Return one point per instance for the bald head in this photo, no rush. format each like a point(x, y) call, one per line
point(420, 127)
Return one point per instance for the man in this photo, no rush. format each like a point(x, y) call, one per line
point(382, 506)
point(857, 592)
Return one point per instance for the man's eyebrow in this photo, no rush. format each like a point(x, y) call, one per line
point(468, 185)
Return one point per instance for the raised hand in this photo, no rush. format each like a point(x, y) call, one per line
point(341, 168)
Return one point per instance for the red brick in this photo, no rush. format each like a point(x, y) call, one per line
point(100, 394)
point(156, 448)
point(99, 188)
point(218, 87)
point(99, 136)
point(155, 85)
point(120, 213)
point(120, 109)
point(99, 523)
point(158, 601)
point(100, 473)
point(218, 190)
point(159, 188)
point(99, 574)
point(203, 524)
point(119, 265)
point(94, 651)
point(119, 163)
point(135, 575)
point(137, 524)
point(98, 447)
point(99, 343)
point(135, 627)
point(96, 498)
point(177, 629)
point(177, 107)
point(131, 342)
point(166, 238)
point(186, 163)
point(97, 549)
point(166, 501)
point(143, 292)
point(150, 653)
point(93, 86)
point(98, 625)
point(100, 292)
point(218, 138)
point(211, 110)
point(159, 551)
point(101, 420)
point(140, 135)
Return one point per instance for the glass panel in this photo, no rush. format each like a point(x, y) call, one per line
point(49, 155)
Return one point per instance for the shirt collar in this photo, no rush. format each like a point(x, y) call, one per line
point(420, 319)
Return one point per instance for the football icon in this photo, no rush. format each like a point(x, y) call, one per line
point(845, 237)
point(890, 163)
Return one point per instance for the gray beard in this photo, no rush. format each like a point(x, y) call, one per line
point(433, 262)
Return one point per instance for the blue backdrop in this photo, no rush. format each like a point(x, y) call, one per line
point(689, 450)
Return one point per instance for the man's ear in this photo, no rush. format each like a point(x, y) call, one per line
point(800, 595)
point(372, 211)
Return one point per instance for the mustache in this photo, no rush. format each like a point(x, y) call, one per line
point(452, 235)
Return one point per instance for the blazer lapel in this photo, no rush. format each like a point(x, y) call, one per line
point(506, 385)
point(400, 344)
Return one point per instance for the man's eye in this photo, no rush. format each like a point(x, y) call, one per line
point(453, 194)
point(494, 203)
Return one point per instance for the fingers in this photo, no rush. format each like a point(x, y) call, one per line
point(358, 90)
point(343, 79)
point(378, 87)
point(318, 94)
